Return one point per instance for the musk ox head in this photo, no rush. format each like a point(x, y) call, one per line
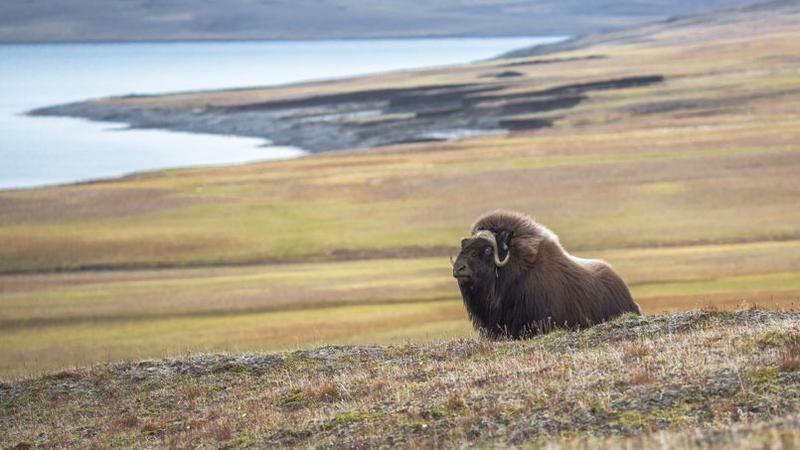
point(480, 257)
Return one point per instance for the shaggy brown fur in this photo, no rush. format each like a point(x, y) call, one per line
point(541, 286)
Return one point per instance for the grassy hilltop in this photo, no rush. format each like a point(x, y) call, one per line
point(687, 186)
point(691, 379)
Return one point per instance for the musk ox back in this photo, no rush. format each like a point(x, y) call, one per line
point(517, 280)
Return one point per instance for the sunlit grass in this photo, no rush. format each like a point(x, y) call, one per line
point(29, 349)
point(55, 320)
point(248, 228)
point(740, 284)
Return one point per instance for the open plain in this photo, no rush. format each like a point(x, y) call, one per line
point(687, 184)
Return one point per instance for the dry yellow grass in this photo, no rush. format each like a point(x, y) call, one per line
point(50, 321)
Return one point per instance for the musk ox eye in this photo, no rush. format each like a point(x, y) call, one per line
point(487, 251)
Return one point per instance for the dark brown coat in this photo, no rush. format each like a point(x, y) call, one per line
point(540, 286)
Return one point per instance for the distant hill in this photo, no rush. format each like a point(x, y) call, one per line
point(126, 20)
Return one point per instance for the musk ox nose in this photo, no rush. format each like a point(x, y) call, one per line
point(459, 270)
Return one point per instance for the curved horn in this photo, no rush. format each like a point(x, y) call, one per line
point(489, 236)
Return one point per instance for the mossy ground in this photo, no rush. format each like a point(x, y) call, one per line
point(692, 379)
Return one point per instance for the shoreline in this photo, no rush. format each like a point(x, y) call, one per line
point(327, 116)
point(521, 90)
point(365, 118)
point(358, 119)
point(72, 88)
point(299, 39)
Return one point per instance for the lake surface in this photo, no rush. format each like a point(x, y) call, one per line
point(36, 151)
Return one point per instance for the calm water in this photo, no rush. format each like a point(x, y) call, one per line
point(39, 151)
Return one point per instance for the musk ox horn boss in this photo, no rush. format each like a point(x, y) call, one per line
point(517, 280)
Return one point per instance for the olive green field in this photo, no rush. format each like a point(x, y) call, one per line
point(690, 188)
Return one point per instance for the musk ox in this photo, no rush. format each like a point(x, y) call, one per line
point(517, 280)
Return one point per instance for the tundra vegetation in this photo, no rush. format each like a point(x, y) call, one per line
point(688, 186)
point(701, 378)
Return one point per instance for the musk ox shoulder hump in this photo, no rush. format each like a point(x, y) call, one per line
point(526, 234)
